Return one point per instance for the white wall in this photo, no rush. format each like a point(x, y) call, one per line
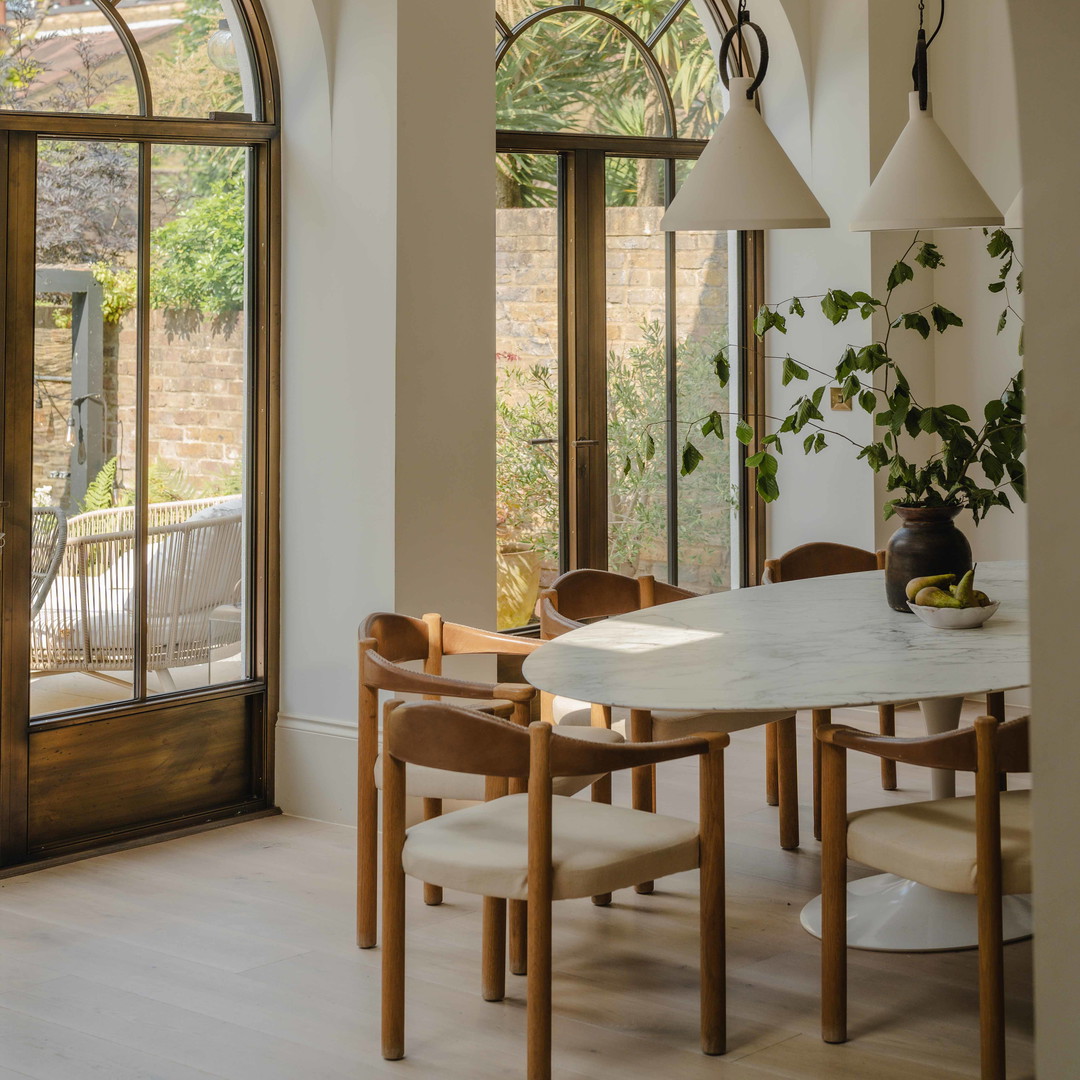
point(388, 378)
point(1046, 39)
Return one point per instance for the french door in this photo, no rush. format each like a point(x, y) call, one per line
point(608, 330)
point(136, 577)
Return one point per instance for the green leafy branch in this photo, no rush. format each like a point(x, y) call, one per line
point(871, 377)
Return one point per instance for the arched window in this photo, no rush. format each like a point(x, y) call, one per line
point(139, 245)
point(608, 328)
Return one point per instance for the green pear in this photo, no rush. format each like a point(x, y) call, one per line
point(965, 590)
point(915, 585)
point(981, 598)
point(932, 596)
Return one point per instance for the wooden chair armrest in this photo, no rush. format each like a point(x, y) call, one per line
point(380, 674)
point(575, 757)
point(953, 750)
point(459, 639)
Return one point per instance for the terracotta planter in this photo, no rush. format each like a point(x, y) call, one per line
point(927, 542)
point(518, 584)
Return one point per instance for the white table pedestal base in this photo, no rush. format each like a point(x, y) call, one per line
point(891, 914)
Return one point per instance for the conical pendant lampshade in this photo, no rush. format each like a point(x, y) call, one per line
point(924, 183)
point(1014, 216)
point(744, 180)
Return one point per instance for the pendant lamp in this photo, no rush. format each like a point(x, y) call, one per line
point(1014, 216)
point(743, 179)
point(924, 183)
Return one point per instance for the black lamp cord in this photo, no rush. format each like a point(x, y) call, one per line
point(919, 73)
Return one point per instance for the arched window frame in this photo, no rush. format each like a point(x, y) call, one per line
point(584, 489)
point(249, 705)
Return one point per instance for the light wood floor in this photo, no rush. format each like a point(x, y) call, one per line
point(230, 955)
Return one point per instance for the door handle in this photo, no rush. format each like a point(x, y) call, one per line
point(586, 442)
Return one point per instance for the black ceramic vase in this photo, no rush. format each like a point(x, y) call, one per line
point(927, 542)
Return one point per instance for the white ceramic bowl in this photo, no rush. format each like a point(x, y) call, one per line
point(943, 618)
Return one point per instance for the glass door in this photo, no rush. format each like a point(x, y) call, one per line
point(133, 697)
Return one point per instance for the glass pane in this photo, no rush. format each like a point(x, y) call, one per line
point(708, 497)
point(527, 372)
point(82, 598)
point(687, 59)
point(642, 16)
point(54, 59)
point(637, 368)
point(197, 424)
point(196, 56)
point(572, 71)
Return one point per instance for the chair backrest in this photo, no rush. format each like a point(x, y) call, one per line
point(582, 596)
point(821, 560)
point(443, 736)
point(47, 540)
point(963, 750)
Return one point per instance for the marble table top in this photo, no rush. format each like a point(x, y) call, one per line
point(820, 643)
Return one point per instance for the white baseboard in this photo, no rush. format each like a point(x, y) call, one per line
point(316, 768)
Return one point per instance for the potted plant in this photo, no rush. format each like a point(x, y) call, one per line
point(938, 460)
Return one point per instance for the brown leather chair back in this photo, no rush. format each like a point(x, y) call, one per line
point(821, 560)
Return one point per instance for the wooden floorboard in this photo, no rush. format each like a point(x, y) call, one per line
point(229, 955)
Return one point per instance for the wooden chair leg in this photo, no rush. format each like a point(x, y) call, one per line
point(393, 929)
point(995, 707)
point(493, 949)
point(887, 726)
point(518, 919)
point(601, 793)
point(820, 717)
point(433, 894)
point(713, 932)
point(772, 770)
point(643, 780)
point(788, 782)
point(367, 858)
point(834, 898)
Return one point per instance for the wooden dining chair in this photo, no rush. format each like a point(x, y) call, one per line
point(540, 847)
point(387, 642)
point(583, 596)
point(825, 560)
point(977, 845)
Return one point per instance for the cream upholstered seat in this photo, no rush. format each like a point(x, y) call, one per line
point(595, 848)
point(424, 782)
point(934, 842)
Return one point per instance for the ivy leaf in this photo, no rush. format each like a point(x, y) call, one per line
point(768, 465)
point(1003, 320)
point(796, 308)
point(722, 367)
point(767, 488)
point(956, 412)
point(1000, 243)
point(808, 444)
point(868, 401)
point(993, 467)
point(717, 420)
point(944, 318)
point(819, 442)
point(1020, 282)
point(900, 273)
point(692, 457)
point(914, 320)
point(744, 433)
point(929, 256)
point(836, 304)
point(650, 446)
point(792, 370)
point(754, 460)
point(996, 286)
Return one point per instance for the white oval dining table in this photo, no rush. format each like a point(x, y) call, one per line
point(821, 643)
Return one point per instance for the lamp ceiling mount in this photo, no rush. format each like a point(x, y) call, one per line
point(736, 32)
